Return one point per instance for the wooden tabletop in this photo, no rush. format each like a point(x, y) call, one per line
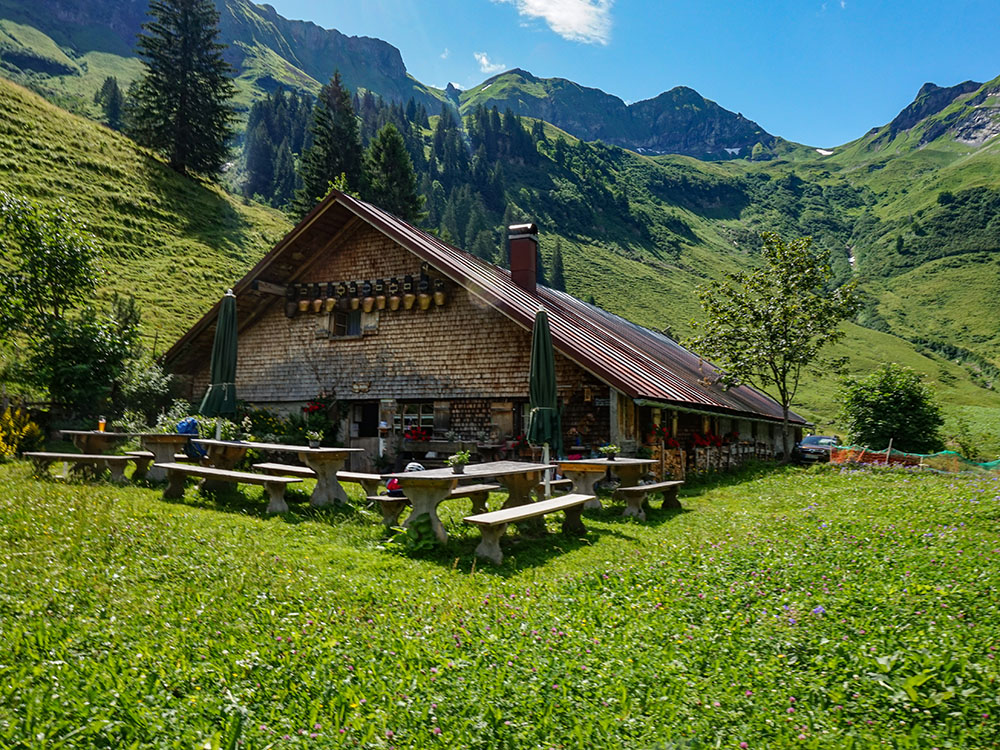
point(274, 446)
point(99, 432)
point(488, 469)
point(604, 462)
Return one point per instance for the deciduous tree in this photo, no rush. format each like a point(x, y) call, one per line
point(892, 403)
point(766, 326)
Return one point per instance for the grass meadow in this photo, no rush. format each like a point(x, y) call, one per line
point(812, 608)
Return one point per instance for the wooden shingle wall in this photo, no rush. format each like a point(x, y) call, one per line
point(462, 350)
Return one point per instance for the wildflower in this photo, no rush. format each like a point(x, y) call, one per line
point(819, 610)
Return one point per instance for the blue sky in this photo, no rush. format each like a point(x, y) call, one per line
point(820, 73)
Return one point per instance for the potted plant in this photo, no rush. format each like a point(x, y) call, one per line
point(314, 437)
point(609, 451)
point(458, 461)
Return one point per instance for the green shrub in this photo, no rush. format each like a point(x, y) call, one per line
point(18, 433)
point(892, 404)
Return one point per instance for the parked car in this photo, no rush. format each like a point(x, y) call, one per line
point(814, 449)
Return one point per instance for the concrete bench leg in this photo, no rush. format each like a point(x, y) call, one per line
point(489, 547)
point(175, 485)
point(141, 468)
point(479, 501)
point(40, 466)
point(117, 471)
point(392, 507)
point(670, 501)
point(633, 505)
point(276, 492)
point(371, 487)
point(573, 522)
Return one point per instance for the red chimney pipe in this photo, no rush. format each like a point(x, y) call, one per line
point(522, 239)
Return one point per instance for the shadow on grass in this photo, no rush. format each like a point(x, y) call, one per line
point(253, 503)
point(524, 548)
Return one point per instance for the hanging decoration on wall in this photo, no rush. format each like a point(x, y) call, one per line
point(409, 292)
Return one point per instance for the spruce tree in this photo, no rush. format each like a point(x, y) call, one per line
point(392, 184)
point(558, 272)
point(259, 153)
point(112, 102)
point(182, 106)
point(335, 148)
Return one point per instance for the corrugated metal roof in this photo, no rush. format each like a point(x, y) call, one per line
point(639, 362)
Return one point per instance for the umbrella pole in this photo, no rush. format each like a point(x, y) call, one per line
point(545, 460)
point(218, 429)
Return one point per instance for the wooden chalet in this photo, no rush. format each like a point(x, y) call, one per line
point(406, 330)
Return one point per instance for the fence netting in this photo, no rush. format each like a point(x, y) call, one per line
point(945, 461)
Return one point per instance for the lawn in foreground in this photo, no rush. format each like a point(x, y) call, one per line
point(802, 608)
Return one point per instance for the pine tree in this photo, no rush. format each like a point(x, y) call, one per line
point(392, 184)
point(182, 106)
point(558, 275)
point(335, 147)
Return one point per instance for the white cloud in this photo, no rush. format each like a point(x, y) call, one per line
point(485, 65)
point(444, 55)
point(577, 20)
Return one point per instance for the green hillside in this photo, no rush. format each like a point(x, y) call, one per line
point(656, 226)
point(172, 242)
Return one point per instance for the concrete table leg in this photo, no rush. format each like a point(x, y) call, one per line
point(583, 484)
point(163, 453)
point(221, 457)
point(489, 547)
point(519, 489)
point(277, 503)
point(573, 522)
point(328, 489)
point(425, 499)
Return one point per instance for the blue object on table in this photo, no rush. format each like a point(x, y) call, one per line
point(189, 426)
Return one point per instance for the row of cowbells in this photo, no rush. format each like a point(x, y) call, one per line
point(325, 298)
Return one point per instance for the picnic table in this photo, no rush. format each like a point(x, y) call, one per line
point(326, 462)
point(163, 446)
point(96, 441)
point(585, 472)
point(426, 490)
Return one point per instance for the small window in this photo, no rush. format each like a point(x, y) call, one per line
point(345, 324)
point(414, 415)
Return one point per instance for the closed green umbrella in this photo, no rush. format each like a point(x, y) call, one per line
point(544, 424)
point(220, 399)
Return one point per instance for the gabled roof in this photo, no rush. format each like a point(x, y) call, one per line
point(640, 363)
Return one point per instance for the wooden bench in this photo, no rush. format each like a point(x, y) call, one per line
point(369, 482)
point(275, 486)
point(492, 525)
point(392, 507)
point(94, 461)
point(556, 485)
point(635, 497)
point(143, 459)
